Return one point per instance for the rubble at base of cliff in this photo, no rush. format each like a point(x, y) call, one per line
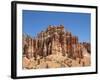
point(55, 48)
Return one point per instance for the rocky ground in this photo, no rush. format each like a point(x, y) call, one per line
point(56, 61)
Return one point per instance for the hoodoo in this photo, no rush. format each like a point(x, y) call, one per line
point(52, 44)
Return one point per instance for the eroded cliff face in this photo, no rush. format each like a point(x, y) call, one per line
point(55, 47)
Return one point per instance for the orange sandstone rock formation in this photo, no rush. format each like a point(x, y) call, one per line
point(53, 48)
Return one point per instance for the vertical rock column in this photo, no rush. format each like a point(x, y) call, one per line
point(64, 45)
point(69, 44)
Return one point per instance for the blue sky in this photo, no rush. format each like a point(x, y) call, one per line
point(77, 23)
